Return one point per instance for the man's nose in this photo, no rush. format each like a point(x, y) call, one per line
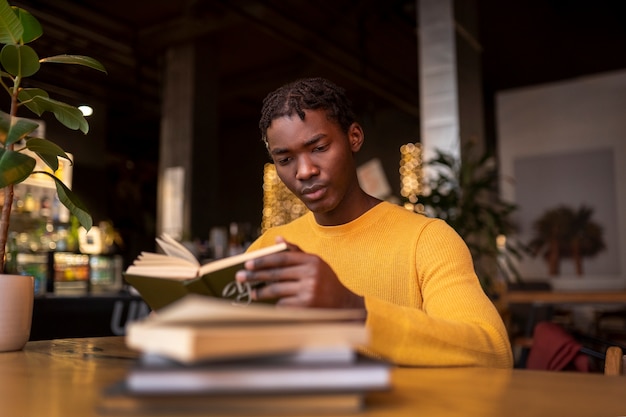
point(306, 168)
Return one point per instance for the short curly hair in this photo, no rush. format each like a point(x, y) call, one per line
point(307, 94)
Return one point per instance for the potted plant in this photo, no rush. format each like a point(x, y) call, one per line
point(18, 61)
point(464, 193)
point(564, 232)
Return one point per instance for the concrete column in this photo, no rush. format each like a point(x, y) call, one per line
point(188, 158)
point(449, 75)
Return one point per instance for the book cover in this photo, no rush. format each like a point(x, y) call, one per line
point(200, 328)
point(162, 278)
point(119, 399)
point(259, 376)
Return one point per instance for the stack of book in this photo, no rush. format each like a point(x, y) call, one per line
point(209, 355)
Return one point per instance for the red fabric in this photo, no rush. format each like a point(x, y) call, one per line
point(554, 349)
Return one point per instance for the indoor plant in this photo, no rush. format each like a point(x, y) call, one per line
point(18, 61)
point(564, 232)
point(464, 193)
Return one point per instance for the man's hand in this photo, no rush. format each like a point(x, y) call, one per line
point(297, 279)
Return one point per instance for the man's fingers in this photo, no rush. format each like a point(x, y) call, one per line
point(278, 289)
point(277, 260)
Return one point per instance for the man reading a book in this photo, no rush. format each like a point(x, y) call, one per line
point(413, 274)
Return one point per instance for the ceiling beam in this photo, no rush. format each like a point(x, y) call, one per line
point(316, 47)
point(183, 29)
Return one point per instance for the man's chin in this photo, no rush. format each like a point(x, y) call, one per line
point(317, 207)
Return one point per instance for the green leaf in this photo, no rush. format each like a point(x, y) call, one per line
point(15, 167)
point(32, 27)
point(75, 59)
point(11, 29)
point(48, 151)
point(68, 115)
point(13, 129)
point(19, 60)
point(72, 202)
point(26, 95)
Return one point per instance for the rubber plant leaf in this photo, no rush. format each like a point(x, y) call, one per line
point(13, 129)
point(11, 30)
point(19, 60)
point(75, 59)
point(72, 202)
point(68, 115)
point(48, 151)
point(15, 167)
point(26, 95)
point(32, 27)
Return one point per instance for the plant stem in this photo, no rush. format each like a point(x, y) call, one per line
point(5, 216)
point(4, 223)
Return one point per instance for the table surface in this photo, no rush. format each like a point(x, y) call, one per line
point(557, 297)
point(62, 378)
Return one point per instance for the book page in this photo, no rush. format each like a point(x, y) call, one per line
point(156, 259)
point(159, 265)
point(161, 272)
point(172, 247)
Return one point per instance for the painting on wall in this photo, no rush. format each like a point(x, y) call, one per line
point(562, 159)
point(568, 212)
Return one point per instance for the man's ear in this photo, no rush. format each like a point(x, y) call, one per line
point(356, 137)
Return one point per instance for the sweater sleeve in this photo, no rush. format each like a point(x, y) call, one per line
point(457, 325)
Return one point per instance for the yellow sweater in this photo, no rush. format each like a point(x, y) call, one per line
point(425, 306)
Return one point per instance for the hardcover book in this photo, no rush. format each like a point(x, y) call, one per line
point(120, 400)
point(321, 382)
point(200, 328)
point(162, 278)
point(259, 375)
point(211, 355)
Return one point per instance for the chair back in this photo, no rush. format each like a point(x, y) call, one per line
point(615, 361)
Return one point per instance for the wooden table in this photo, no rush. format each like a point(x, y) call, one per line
point(537, 299)
point(64, 378)
point(566, 297)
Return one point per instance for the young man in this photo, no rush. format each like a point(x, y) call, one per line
point(413, 274)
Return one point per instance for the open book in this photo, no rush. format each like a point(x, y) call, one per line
point(162, 278)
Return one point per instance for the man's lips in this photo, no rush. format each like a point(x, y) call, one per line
point(313, 192)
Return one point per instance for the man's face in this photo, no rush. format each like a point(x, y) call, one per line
point(314, 158)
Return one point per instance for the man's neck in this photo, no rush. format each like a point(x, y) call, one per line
point(359, 205)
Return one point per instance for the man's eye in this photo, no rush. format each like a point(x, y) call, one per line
point(283, 161)
point(320, 148)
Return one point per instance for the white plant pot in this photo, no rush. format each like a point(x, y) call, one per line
point(17, 294)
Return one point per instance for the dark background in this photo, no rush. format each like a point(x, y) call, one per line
point(369, 47)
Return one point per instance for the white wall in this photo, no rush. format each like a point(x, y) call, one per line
point(565, 143)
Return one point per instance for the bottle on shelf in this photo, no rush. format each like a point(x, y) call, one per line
point(235, 245)
point(29, 201)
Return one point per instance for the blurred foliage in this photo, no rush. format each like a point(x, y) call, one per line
point(563, 232)
point(464, 193)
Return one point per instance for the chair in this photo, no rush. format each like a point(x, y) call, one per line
point(615, 361)
point(555, 349)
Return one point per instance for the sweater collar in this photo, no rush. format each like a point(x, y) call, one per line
point(362, 221)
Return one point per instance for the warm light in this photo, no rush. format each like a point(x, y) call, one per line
point(280, 206)
point(86, 110)
point(411, 174)
point(501, 242)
